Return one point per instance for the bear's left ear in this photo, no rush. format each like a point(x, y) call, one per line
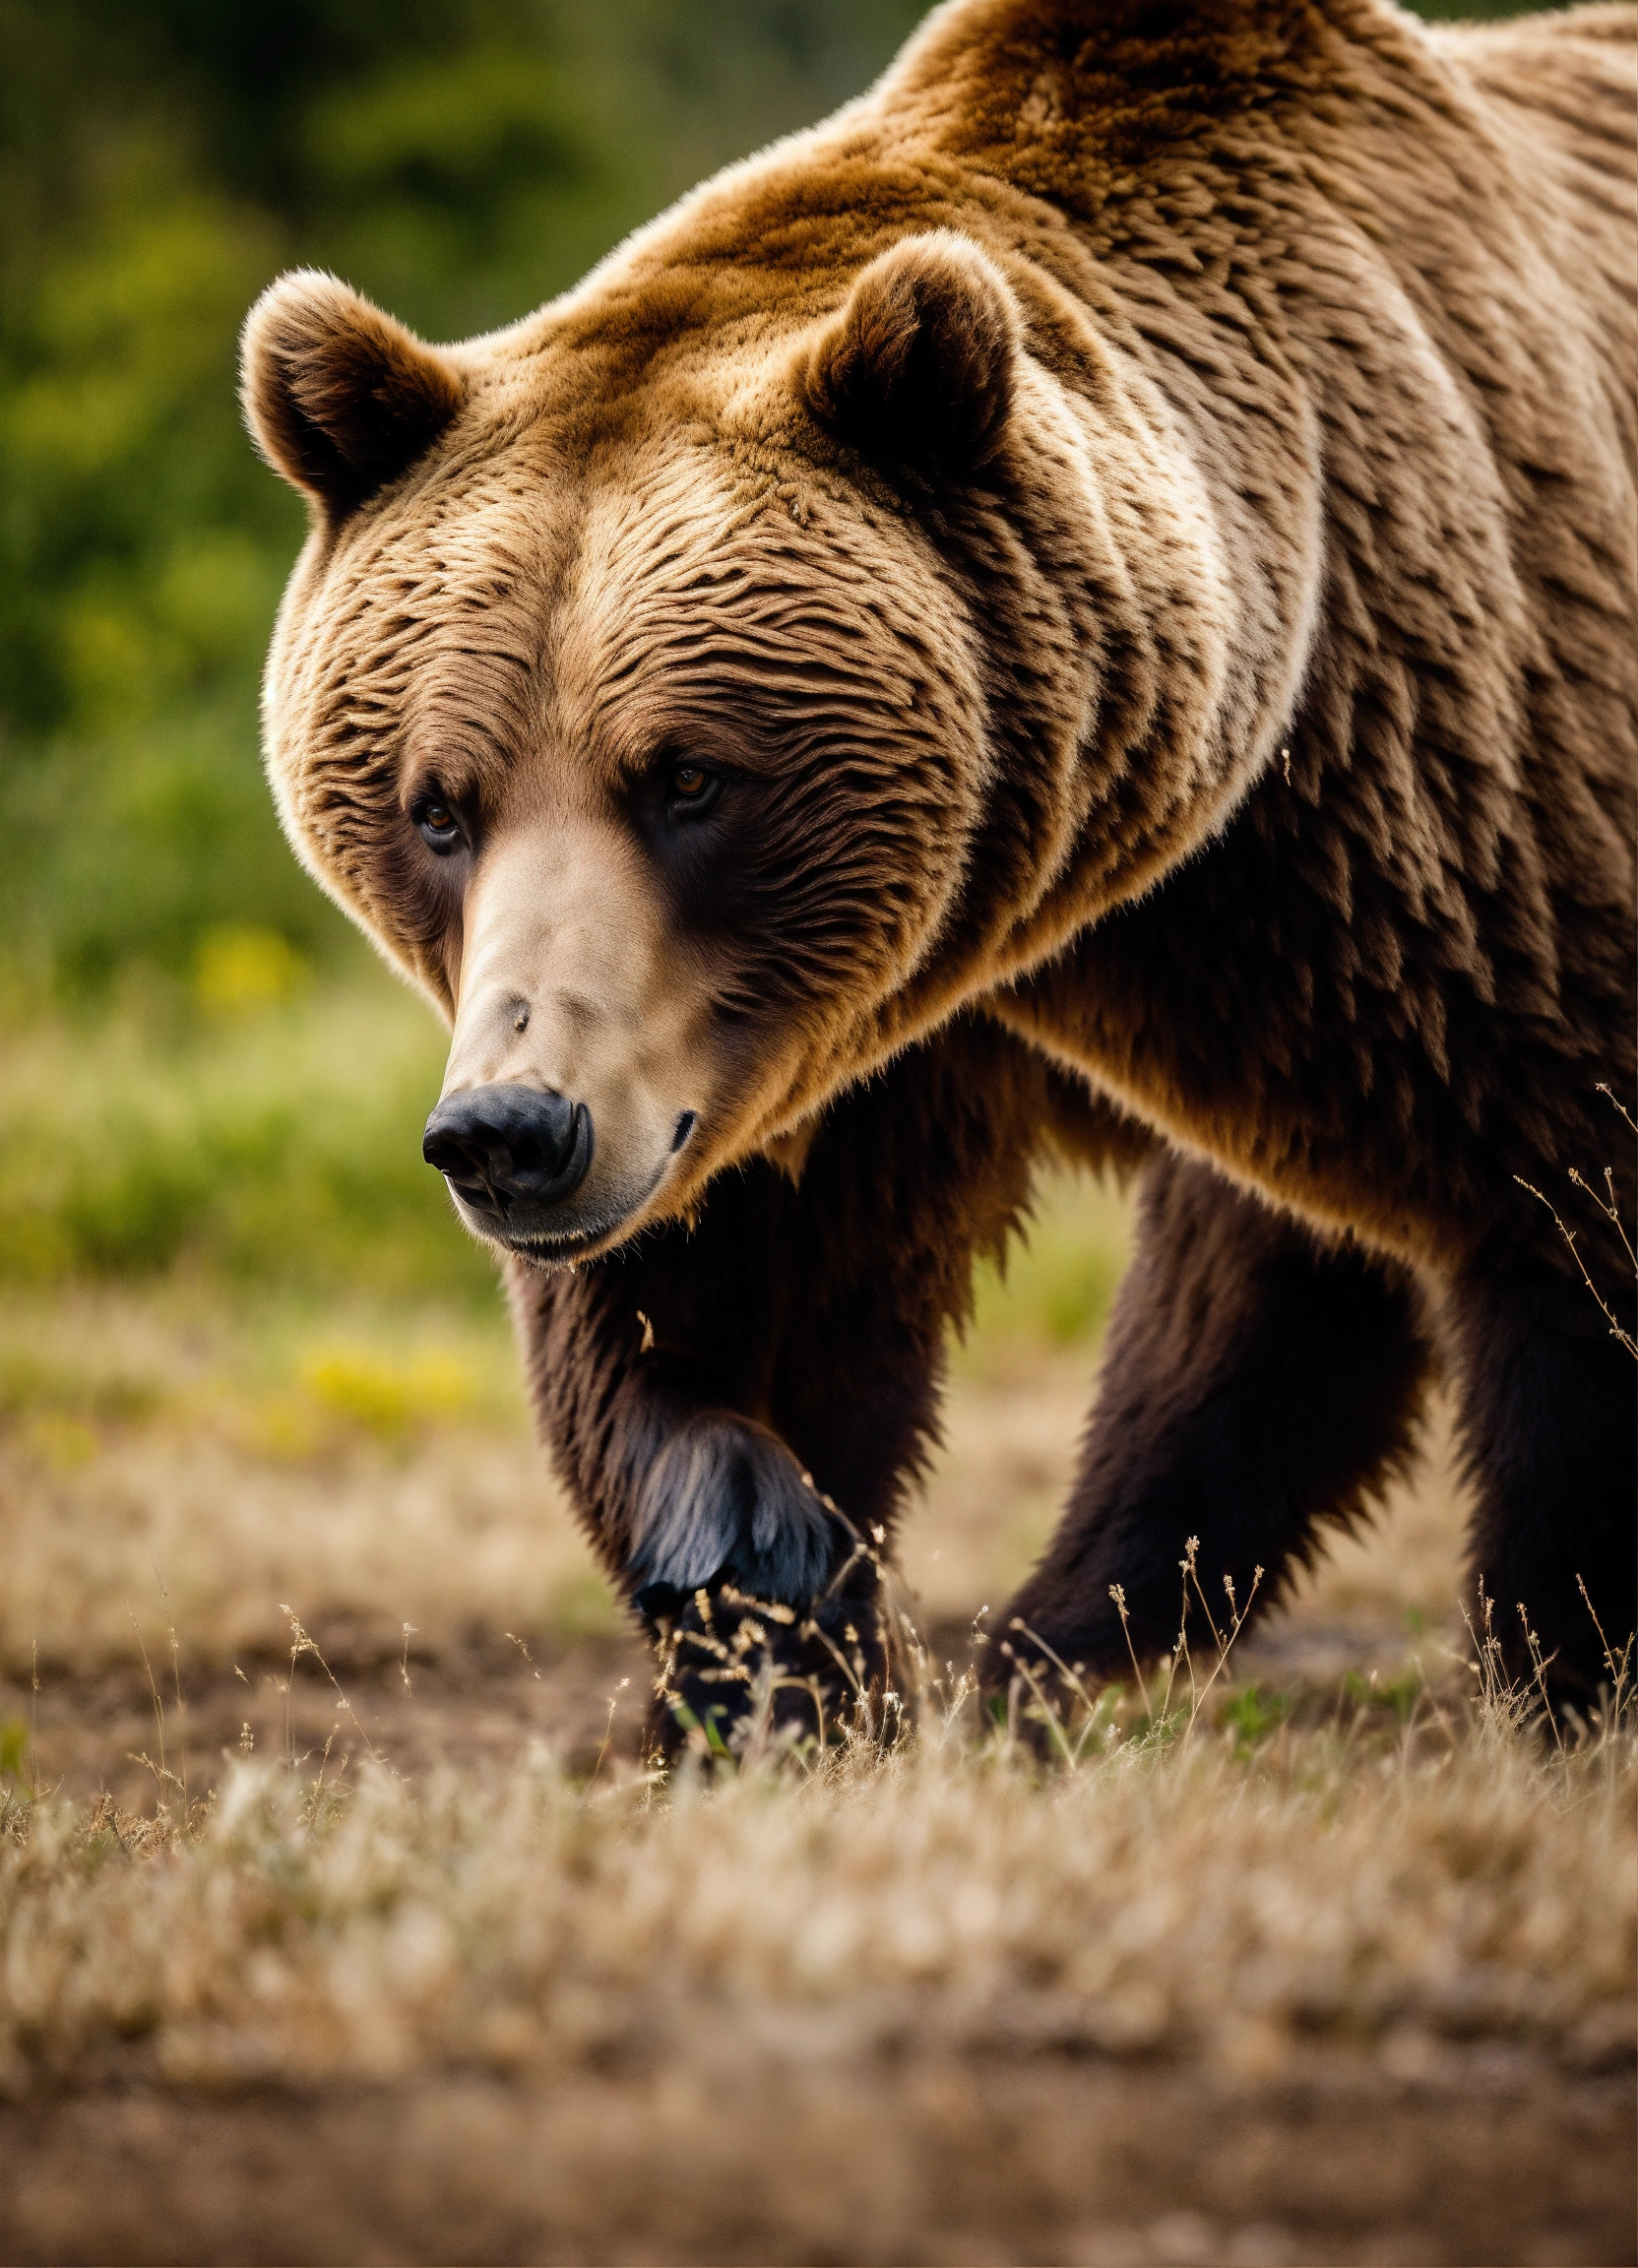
point(339, 397)
point(920, 366)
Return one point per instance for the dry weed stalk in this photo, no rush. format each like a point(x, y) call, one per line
point(1619, 1667)
point(176, 1665)
point(513, 1639)
point(1510, 1713)
point(301, 1643)
point(1610, 1209)
point(1094, 1715)
point(162, 1776)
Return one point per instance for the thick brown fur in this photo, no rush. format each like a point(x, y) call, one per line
point(1136, 517)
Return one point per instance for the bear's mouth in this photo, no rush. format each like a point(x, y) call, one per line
point(541, 1246)
point(549, 1252)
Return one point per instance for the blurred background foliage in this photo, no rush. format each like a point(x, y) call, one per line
point(199, 1064)
point(459, 160)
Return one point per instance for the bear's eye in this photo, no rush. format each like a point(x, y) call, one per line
point(692, 788)
point(438, 824)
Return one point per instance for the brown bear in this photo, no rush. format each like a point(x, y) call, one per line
point(1087, 601)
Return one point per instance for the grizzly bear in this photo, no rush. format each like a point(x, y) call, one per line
point(1086, 604)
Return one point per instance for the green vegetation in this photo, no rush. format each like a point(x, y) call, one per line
point(199, 1064)
point(279, 1141)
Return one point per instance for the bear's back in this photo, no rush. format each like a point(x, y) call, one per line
point(1568, 86)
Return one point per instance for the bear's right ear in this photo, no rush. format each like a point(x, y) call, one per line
point(920, 366)
point(339, 397)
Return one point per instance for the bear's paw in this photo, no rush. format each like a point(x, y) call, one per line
point(724, 1501)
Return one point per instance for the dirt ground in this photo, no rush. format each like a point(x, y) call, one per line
point(776, 2160)
point(770, 2149)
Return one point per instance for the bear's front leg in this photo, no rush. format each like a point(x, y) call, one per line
point(658, 1378)
point(738, 1407)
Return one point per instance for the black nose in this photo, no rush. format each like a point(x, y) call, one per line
point(503, 1148)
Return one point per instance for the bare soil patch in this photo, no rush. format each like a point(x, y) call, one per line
point(477, 1700)
point(931, 2161)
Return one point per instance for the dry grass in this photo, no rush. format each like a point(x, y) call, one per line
point(363, 1465)
point(1348, 1863)
point(1190, 1872)
point(1242, 1899)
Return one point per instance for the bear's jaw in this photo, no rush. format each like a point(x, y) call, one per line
point(546, 1252)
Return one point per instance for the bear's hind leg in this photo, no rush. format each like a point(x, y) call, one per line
point(1549, 1418)
point(1255, 1382)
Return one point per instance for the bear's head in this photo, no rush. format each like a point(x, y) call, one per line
point(679, 689)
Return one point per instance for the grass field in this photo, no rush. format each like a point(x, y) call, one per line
point(338, 1920)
